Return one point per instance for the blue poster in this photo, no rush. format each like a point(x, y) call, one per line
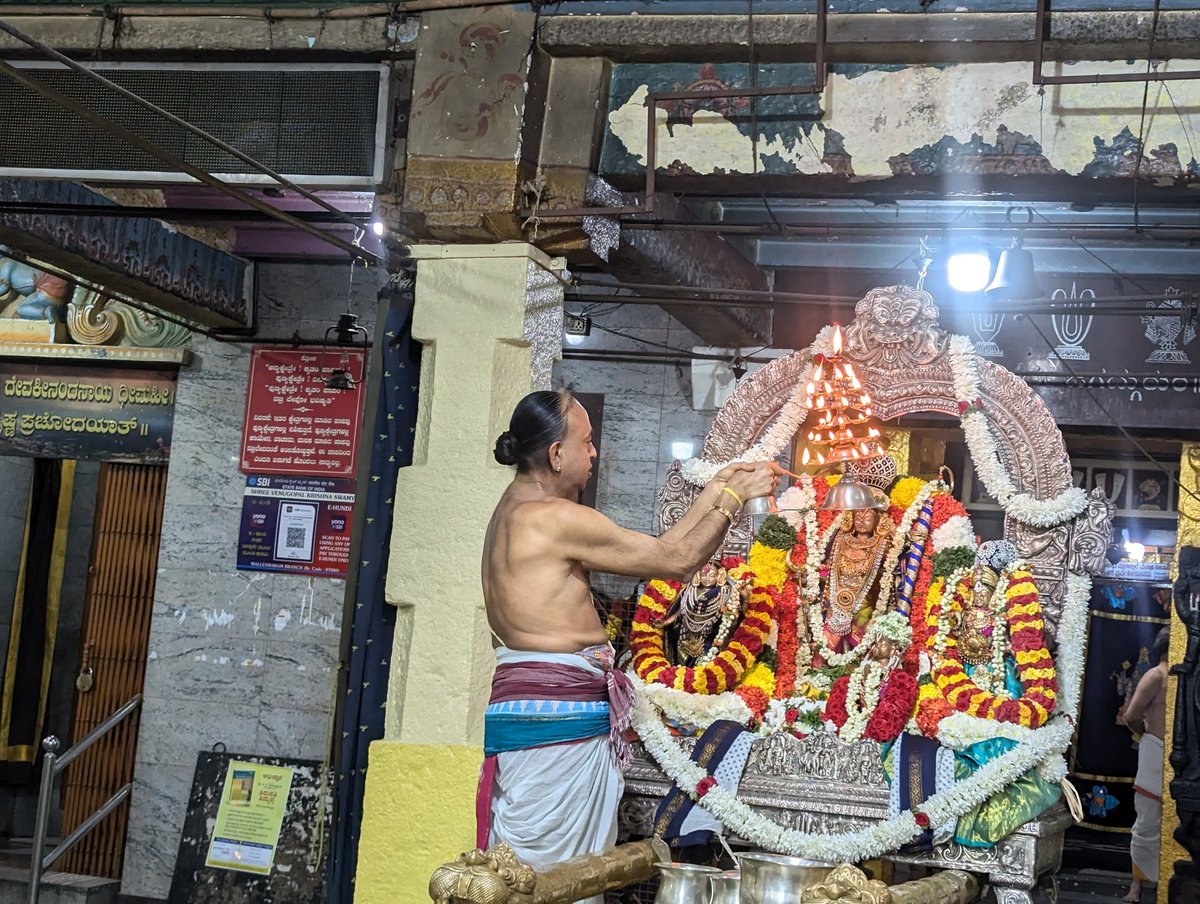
point(298, 525)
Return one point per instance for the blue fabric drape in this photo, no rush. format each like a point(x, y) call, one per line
point(361, 710)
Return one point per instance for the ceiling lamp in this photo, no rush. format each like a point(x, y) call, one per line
point(842, 409)
point(1016, 278)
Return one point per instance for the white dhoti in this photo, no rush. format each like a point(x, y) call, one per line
point(1147, 803)
point(558, 800)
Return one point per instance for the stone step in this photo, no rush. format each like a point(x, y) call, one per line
point(57, 888)
point(1094, 885)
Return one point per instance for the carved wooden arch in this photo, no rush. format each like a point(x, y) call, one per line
point(900, 354)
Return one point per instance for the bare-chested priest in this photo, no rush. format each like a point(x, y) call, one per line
point(551, 780)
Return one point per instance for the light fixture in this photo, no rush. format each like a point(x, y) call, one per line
point(378, 228)
point(345, 333)
point(1135, 551)
point(842, 408)
point(968, 270)
point(1016, 277)
point(682, 450)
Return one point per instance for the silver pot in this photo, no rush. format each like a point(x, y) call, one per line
point(684, 883)
point(726, 887)
point(777, 879)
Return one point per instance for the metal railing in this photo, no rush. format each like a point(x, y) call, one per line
point(52, 765)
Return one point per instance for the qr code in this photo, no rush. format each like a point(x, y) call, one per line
point(297, 537)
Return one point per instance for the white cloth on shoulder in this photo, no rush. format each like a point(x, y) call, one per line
point(553, 803)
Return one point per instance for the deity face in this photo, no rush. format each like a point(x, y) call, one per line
point(708, 576)
point(865, 521)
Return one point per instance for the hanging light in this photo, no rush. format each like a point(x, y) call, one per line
point(346, 334)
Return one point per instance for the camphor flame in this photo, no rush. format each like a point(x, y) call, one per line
point(835, 395)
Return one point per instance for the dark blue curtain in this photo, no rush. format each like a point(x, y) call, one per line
point(370, 625)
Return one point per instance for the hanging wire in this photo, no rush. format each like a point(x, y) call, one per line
point(1141, 141)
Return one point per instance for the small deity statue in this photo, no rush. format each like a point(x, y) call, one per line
point(28, 293)
point(976, 627)
point(983, 617)
point(704, 615)
point(854, 584)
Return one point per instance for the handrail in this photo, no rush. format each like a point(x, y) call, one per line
point(52, 765)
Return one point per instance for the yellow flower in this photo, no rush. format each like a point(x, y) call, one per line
point(760, 676)
point(769, 565)
point(905, 491)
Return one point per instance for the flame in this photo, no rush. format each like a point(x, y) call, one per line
point(804, 457)
point(837, 340)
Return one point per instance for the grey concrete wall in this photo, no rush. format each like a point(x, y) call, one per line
point(245, 659)
point(647, 408)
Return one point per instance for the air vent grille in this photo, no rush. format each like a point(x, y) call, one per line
point(319, 123)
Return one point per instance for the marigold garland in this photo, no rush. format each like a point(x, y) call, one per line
point(1035, 667)
point(725, 671)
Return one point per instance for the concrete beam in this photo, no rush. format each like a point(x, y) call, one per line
point(679, 258)
point(144, 259)
point(871, 37)
point(84, 34)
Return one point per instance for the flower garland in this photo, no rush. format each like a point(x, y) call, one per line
point(723, 673)
point(964, 363)
point(880, 838)
point(871, 703)
point(1035, 668)
point(957, 531)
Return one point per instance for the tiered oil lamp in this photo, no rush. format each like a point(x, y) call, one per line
point(843, 409)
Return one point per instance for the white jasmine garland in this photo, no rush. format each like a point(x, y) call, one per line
point(699, 472)
point(957, 531)
point(695, 710)
point(1072, 643)
point(961, 730)
point(849, 847)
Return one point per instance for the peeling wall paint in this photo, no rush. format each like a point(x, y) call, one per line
point(874, 123)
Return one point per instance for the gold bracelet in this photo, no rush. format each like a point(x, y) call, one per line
point(736, 497)
point(723, 511)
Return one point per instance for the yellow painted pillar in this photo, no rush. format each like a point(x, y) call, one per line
point(490, 320)
point(1188, 535)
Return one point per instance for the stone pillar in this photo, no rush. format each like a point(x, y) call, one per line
point(490, 319)
point(1171, 850)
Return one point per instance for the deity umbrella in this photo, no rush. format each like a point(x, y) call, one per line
point(882, 643)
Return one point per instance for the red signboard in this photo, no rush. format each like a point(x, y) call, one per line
point(294, 423)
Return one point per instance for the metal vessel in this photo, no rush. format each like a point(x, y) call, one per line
point(726, 887)
point(684, 883)
point(777, 879)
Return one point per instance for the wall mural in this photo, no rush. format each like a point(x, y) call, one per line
point(979, 119)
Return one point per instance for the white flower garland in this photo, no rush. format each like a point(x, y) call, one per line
point(964, 364)
point(957, 531)
point(695, 710)
point(1072, 643)
point(850, 847)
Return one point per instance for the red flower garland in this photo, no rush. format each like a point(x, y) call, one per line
point(1035, 667)
point(897, 698)
point(787, 641)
